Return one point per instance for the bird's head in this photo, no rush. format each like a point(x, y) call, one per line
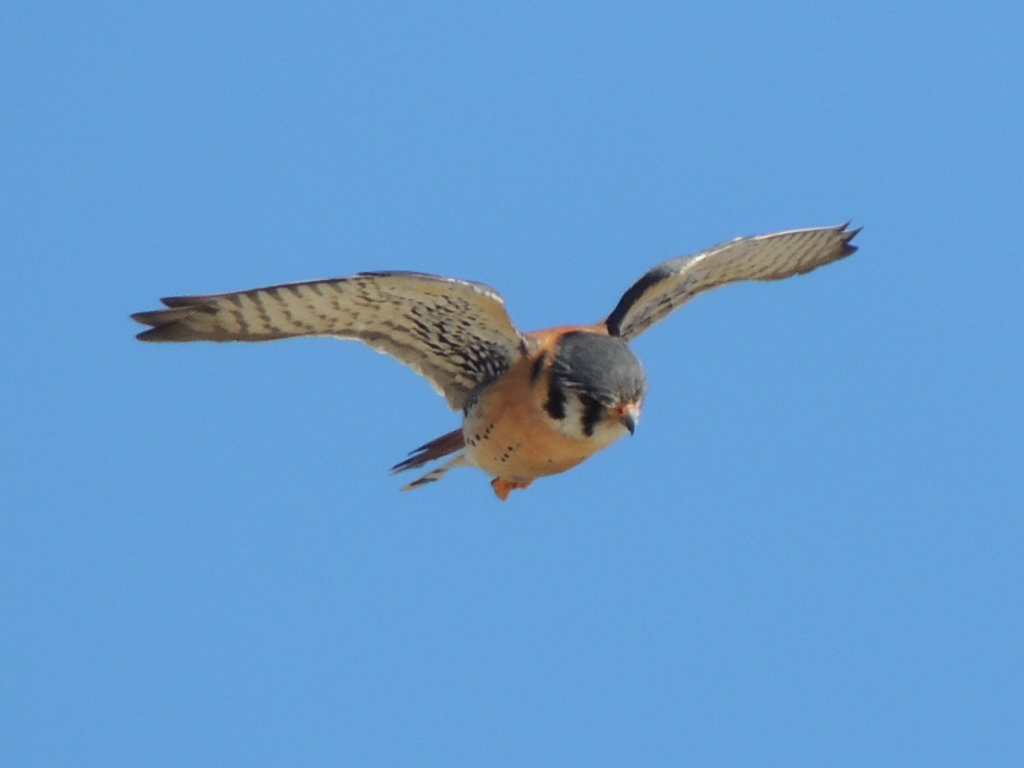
point(595, 387)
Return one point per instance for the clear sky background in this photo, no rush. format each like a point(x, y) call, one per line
point(811, 552)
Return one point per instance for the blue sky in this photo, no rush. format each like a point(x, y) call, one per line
point(809, 554)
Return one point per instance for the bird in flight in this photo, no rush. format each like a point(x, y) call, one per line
point(533, 404)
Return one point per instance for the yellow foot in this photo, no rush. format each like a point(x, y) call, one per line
point(502, 487)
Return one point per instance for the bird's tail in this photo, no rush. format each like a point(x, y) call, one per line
point(435, 449)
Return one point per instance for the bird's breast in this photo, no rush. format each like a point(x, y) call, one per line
point(509, 434)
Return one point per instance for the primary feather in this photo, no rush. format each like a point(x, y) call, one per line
point(672, 283)
point(455, 333)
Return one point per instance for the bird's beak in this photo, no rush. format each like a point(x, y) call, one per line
point(629, 416)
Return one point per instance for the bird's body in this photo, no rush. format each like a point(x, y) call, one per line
point(517, 438)
point(533, 404)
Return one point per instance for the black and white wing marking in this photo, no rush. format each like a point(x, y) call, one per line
point(455, 333)
point(762, 257)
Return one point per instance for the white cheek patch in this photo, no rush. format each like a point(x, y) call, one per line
point(605, 431)
point(572, 424)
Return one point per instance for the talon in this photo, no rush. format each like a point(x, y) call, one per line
point(502, 487)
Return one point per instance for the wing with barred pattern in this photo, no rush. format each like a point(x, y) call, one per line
point(455, 333)
point(763, 257)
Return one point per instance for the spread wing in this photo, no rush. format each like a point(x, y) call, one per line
point(762, 257)
point(455, 333)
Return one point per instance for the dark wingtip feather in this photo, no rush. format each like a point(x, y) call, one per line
point(197, 303)
point(150, 318)
point(172, 331)
point(848, 235)
point(153, 335)
point(166, 326)
point(168, 323)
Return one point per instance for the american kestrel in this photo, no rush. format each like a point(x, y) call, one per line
point(533, 404)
